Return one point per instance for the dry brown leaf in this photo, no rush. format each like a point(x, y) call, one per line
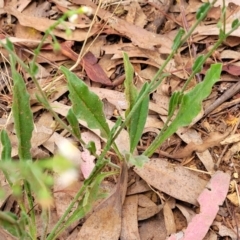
point(172, 179)
point(129, 219)
point(153, 228)
point(105, 221)
point(144, 201)
point(33, 22)
point(169, 219)
point(49, 56)
point(187, 212)
point(147, 208)
point(229, 54)
point(231, 139)
point(233, 198)
point(220, 3)
point(208, 30)
point(139, 36)
point(212, 140)
point(225, 231)
point(191, 135)
point(88, 62)
point(139, 186)
point(19, 5)
point(39, 9)
point(148, 212)
point(39, 136)
point(211, 236)
point(137, 15)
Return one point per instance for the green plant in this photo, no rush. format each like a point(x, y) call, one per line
point(34, 175)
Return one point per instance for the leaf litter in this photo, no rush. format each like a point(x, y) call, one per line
point(164, 191)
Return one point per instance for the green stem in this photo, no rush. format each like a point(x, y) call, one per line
point(32, 224)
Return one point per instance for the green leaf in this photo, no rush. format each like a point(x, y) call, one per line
point(138, 120)
point(177, 39)
point(222, 34)
point(137, 161)
point(130, 89)
point(73, 123)
point(22, 114)
point(190, 106)
point(202, 10)
point(7, 148)
point(86, 104)
point(175, 100)
point(91, 147)
point(235, 23)
point(9, 45)
point(8, 221)
point(198, 64)
point(33, 68)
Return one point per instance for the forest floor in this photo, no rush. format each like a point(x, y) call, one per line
point(168, 197)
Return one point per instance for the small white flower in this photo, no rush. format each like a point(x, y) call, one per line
point(73, 18)
point(67, 178)
point(87, 10)
point(69, 151)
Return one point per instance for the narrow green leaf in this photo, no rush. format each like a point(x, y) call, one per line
point(137, 122)
point(177, 39)
point(22, 114)
point(198, 64)
point(202, 10)
point(73, 123)
point(86, 104)
point(9, 45)
point(175, 100)
point(7, 148)
point(190, 106)
point(6, 153)
point(130, 90)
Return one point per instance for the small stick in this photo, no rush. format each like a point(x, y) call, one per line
point(225, 96)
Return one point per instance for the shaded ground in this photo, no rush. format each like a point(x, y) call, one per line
point(162, 197)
